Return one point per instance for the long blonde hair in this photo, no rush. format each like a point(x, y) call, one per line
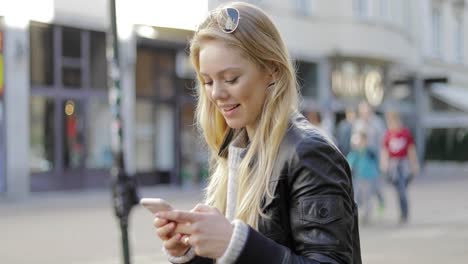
point(258, 39)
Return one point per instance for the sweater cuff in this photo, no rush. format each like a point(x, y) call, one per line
point(236, 244)
point(189, 255)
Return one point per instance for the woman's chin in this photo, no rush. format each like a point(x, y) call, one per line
point(234, 124)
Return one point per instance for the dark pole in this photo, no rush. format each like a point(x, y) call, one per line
point(124, 191)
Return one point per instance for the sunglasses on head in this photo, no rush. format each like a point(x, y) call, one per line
point(228, 19)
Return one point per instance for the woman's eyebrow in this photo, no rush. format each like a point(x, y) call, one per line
point(220, 73)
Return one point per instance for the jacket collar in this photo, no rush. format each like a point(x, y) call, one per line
point(236, 137)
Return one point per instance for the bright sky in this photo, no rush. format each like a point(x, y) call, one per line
point(184, 14)
point(18, 12)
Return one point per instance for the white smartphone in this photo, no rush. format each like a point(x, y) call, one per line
point(155, 205)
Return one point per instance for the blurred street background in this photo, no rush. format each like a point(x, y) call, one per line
point(56, 116)
point(80, 228)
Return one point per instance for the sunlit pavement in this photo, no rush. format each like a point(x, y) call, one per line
point(437, 231)
point(80, 228)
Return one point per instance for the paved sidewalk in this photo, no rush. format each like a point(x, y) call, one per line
point(80, 228)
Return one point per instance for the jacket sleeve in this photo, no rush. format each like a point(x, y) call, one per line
point(322, 212)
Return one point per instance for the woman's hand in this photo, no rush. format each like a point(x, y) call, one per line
point(171, 241)
point(206, 229)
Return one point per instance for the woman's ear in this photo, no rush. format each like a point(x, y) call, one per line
point(273, 72)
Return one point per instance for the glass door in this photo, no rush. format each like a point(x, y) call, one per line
point(73, 132)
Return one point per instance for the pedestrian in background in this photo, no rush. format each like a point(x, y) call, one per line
point(365, 168)
point(315, 118)
point(399, 160)
point(371, 124)
point(280, 191)
point(344, 131)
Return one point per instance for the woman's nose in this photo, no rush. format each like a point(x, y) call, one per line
point(218, 92)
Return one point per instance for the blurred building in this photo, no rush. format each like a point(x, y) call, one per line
point(404, 55)
point(54, 118)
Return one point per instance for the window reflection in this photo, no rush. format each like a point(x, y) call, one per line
point(154, 132)
point(42, 134)
point(73, 132)
point(155, 73)
point(98, 63)
point(41, 54)
point(98, 135)
point(194, 153)
point(307, 78)
point(71, 77)
point(71, 42)
point(145, 136)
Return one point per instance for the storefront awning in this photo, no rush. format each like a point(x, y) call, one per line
point(452, 95)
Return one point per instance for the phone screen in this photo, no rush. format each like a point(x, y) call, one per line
point(155, 205)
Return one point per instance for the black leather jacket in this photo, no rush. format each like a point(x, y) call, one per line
point(312, 217)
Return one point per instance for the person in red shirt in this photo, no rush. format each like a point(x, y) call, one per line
point(399, 160)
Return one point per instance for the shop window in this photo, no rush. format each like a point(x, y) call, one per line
point(187, 87)
point(307, 78)
point(143, 72)
point(99, 153)
point(42, 134)
point(194, 152)
point(77, 138)
point(71, 42)
point(447, 144)
point(165, 85)
point(154, 132)
point(41, 55)
point(145, 136)
point(165, 137)
point(98, 63)
point(71, 77)
point(164, 73)
point(155, 72)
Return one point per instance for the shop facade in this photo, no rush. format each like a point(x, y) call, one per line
point(55, 119)
point(70, 115)
point(67, 139)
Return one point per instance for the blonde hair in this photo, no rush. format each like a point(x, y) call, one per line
point(258, 40)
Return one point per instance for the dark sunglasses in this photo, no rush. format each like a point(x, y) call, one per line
point(228, 20)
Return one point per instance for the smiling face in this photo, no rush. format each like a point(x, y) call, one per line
point(236, 85)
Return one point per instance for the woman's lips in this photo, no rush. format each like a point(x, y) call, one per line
point(230, 109)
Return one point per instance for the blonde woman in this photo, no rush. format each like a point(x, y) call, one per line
point(280, 191)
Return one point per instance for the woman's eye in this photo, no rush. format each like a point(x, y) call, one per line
point(208, 83)
point(232, 81)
